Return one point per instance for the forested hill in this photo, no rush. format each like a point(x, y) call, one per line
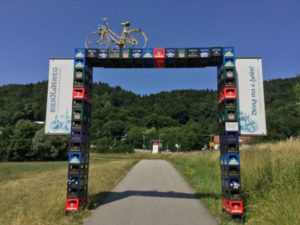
point(180, 116)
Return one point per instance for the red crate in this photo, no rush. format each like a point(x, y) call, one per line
point(224, 203)
point(159, 53)
point(72, 204)
point(221, 97)
point(229, 93)
point(233, 207)
point(236, 207)
point(81, 93)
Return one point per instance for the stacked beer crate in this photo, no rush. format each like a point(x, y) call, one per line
point(77, 185)
point(229, 135)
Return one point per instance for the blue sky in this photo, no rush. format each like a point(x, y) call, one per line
point(33, 31)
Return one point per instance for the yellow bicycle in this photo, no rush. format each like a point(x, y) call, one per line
point(102, 38)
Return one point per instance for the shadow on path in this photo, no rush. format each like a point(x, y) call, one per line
point(103, 198)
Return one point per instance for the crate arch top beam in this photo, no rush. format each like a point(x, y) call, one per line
point(221, 57)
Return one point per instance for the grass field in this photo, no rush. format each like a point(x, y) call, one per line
point(34, 192)
point(270, 181)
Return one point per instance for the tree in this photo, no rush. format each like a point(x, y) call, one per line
point(49, 147)
point(20, 147)
point(297, 91)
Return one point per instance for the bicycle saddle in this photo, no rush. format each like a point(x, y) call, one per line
point(127, 24)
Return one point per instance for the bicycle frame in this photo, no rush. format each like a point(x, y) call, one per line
point(113, 35)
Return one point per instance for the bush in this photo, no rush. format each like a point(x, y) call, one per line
point(122, 147)
point(109, 145)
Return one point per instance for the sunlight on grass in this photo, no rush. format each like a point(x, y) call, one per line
point(40, 198)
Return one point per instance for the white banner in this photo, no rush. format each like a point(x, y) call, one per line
point(59, 98)
point(251, 96)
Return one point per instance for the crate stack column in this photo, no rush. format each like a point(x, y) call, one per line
point(229, 135)
point(77, 185)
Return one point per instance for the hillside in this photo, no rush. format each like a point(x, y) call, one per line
point(179, 116)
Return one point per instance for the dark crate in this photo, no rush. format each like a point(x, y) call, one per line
point(228, 115)
point(126, 53)
point(137, 53)
point(77, 192)
point(171, 53)
point(204, 53)
point(181, 53)
point(229, 148)
point(227, 104)
point(82, 104)
point(193, 53)
point(103, 54)
point(231, 182)
point(79, 146)
point(216, 51)
point(76, 181)
point(80, 169)
point(91, 53)
point(114, 53)
point(81, 114)
point(230, 170)
point(232, 195)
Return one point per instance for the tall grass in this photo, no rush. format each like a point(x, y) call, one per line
point(38, 197)
point(270, 181)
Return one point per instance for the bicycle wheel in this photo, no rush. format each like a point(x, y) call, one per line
point(135, 38)
point(97, 40)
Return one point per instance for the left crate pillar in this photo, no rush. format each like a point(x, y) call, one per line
point(78, 161)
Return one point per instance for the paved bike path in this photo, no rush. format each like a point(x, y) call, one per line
point(152, 193)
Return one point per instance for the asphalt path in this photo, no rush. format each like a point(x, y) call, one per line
point(152, 193)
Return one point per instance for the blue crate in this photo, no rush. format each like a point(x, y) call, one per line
point(228, 52)
point(229, 137)
point(76, 180)
point(79, 63)
point(232, 182)
point(147, 53)
point(79, 53)
point(204, 53)
point(76, 158)
point(230, 159)
point(79, 136)
point(103, 54)
point(228, 62)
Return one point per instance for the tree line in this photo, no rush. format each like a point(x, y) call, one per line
point(122, 120)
